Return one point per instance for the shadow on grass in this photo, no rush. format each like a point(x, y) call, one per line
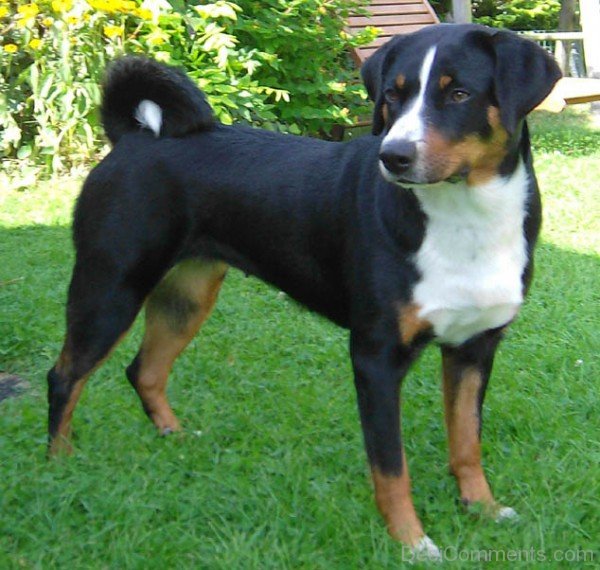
point(35, 264)
point(570, 133)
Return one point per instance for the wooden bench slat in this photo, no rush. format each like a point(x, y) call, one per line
point(365, 51)
point(413, 8)
point(384, 2)
point(391, 17)
point(392, 30)
point(362, 21)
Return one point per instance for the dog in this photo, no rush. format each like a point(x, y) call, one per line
point(422, 231)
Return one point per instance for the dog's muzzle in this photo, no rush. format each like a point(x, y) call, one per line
point(397, 157)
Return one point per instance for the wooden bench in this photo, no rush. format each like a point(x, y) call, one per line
point(391, 18)
point(571, 91)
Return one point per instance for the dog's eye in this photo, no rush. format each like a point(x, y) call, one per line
point(391, 96)
point(459, 95)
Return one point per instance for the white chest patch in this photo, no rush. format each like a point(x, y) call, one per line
point(472, 257)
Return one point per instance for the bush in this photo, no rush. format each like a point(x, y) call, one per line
point(279, 64)
point(514, 15)
point(518, 14)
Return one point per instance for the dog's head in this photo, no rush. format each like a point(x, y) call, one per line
point(449, 100)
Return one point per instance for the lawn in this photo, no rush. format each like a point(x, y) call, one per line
point(269, 471)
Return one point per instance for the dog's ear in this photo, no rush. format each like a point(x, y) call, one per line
point(372, 75)
point(524, 75)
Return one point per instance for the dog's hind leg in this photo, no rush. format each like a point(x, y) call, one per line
point(102, 304)
point(175, 312)
point(467, 370)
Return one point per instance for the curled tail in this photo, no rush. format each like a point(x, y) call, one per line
point(142, 93)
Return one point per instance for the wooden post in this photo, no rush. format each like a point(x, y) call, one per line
point(461, 11)
point(590, 25)
point(567, 22)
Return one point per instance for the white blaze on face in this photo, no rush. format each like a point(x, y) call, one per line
point(410, 125)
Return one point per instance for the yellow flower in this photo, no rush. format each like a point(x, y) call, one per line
point(35, 43)
point(143, 13)
point(106, 5)
point(62, 5)
point(47, 22)
point(11, 48)
point(156, 37)
point(27, 14)
point(128, 5)
point(3, 11)
point(72, 20)
point(113, 31)
point(29, 10)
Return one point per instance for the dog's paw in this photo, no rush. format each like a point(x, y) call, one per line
point(505, 514)
point(425, 551)
point(492, 511)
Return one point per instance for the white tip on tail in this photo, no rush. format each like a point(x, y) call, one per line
point(149, 115)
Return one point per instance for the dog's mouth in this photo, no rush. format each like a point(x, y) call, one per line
point(423, 177)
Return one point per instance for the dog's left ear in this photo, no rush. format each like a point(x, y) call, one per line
point(524, 76)
point(372, 75)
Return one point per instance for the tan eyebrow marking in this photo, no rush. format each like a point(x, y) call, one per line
point(444, 81)
point(400, 81)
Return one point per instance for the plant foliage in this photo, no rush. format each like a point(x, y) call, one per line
point(514, 15)
point(279, 64)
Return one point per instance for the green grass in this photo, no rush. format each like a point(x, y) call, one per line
point(270, 471)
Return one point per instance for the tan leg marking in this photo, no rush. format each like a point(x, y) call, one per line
point(462, 422)
point(394, 501)
point(174, 313)
point(410, 324)
point(61, 442)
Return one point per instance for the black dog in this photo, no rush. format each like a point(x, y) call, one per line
point(422, 232)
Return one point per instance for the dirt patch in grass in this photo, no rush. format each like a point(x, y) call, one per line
point(11, 386)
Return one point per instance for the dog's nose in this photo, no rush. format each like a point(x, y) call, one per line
point(398, 157)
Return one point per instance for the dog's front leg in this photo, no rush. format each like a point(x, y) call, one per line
point(467, 370)
point(379, 367)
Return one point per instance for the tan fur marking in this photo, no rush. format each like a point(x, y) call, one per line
point(163, 342)
point(61, 443)
point(493, 115)
point(444, 81)
point(462, 422)
point(400, 81)
point(385, 112)
point(65, 360)
point(481, 157)
point(394, 501)
point(410, 323)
